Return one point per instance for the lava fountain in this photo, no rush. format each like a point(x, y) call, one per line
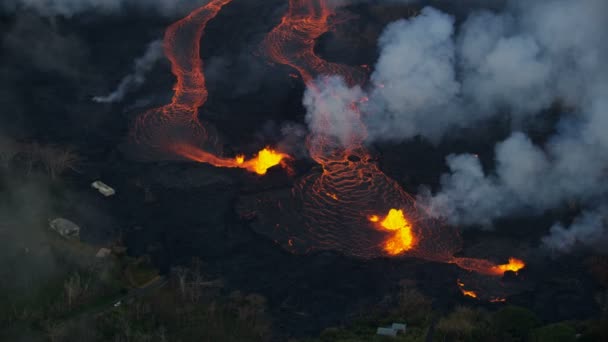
point(175, 128)
point(403, 238)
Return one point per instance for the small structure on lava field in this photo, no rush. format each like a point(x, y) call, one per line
point(391, 331)
point(103, 188)
point(103, 253)
point(65, 228)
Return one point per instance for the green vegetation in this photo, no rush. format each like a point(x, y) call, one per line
point(514, 323)
point(54, 160)
point(465, 324)
point(187, 308)
point(76, 302)
point(409, 306)
point(558, 332)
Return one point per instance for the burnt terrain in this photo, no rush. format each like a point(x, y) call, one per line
point(176, 210)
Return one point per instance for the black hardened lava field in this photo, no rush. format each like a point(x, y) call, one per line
point(303, 170)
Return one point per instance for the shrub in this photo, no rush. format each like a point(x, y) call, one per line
point(414, 306)
point(8, 150)
point(56, 160)
point(460, 324)
point(514, 323)
point(558, 332)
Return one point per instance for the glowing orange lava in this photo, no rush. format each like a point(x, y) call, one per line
point(264, 160)
point(175, 128)
point(465, 292)
point(402, 238)
point(292, 42)
point(514, 265)
point(487, 267)
point(498, 300)
point(178, 121)
point(323, 211)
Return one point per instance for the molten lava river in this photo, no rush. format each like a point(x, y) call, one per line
point(175, 129)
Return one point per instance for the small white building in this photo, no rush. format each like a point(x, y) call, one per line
point(103, 188)
point(65, 228)
point(386, 332)
point(392, 331)
point(103, 253)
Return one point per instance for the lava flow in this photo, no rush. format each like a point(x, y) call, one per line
point(465, 292)
point(176, 128)
point(292, 42)
point(333, 206)
point(487, 267)
point(178, 121)
point(264, 160)
point(339, 208)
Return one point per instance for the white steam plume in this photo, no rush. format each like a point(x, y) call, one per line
point(142, 65)
point(433, 78)
point(330, 113)
point(69, 8)
point(588, 229)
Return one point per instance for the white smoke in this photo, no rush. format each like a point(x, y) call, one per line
point(589, 229)
point(342, 3)
point(433, 78)
point(414, 78)
point(331, 112)
point(142, 65)
point(522, 62)
point(69, 8)
point(429, 81)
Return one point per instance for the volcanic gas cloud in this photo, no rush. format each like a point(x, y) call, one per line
point(351, 206)
point(175, 129)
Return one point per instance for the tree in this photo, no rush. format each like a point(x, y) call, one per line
point(8, 150)
point(558, 332)
point(513, 322)
point(460, 324)
point(57, 160)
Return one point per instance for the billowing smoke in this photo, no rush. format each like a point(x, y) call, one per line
point(341, 3)
point(142, 65)
point(70, 8)
point(589, 229)
point(414, 78)
point(433, 79)
point(330, 112)
point(523, 62)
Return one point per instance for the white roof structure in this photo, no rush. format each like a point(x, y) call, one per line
point(65, 228)
point(103, 188)
point(392, 331)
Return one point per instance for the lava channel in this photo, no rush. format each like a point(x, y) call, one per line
point(175, 129)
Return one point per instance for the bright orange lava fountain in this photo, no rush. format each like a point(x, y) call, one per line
point(403, 239)
point(175, 128)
